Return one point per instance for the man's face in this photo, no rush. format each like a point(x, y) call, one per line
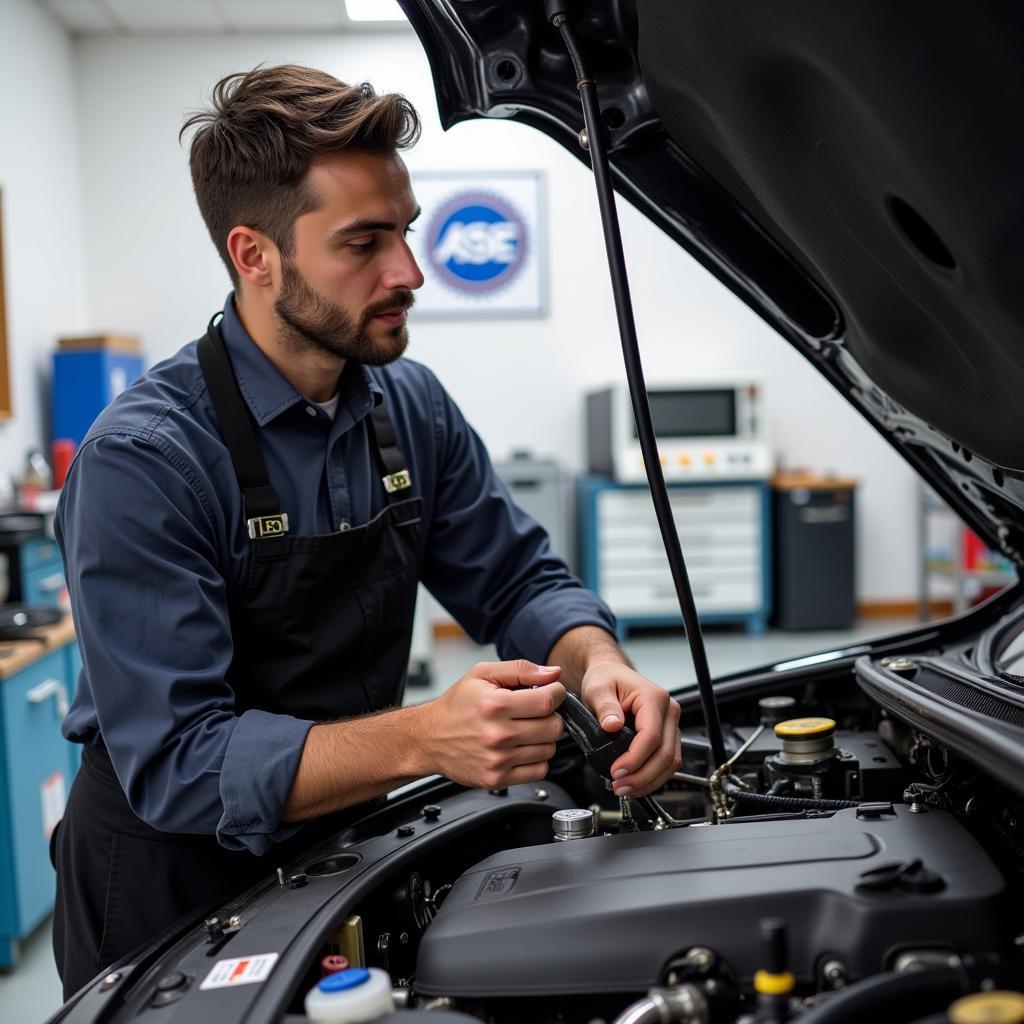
point(348, 282)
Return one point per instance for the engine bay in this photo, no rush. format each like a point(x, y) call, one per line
point(854, 887)
point(840, 846)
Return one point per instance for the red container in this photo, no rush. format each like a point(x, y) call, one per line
point(975, 551)
point(62, 451)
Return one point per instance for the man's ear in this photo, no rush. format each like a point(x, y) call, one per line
point(254, 255)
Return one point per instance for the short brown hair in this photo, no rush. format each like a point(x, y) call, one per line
point(265, 127)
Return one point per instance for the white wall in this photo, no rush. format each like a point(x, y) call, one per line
point(40, 174)
point(152, 269)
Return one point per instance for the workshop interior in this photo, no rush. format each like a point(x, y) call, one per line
point(731, 294)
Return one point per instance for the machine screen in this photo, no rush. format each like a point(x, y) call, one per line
point(704, 413)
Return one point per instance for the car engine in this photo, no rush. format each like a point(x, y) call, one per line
point(845, 862)
point(829, 866)
point(838, 849)
point(618, 913)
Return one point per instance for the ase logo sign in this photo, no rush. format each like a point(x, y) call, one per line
point(476, 241)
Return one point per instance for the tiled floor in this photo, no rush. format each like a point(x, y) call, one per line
point(31, 993)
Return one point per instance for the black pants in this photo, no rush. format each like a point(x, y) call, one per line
point(120, 882)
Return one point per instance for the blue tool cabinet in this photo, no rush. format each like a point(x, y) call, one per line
point(84, 383)
point(42, 572)
point(725, 531)
point(36, 572)
point(37, 766)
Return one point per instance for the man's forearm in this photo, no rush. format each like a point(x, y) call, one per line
point(581, 648)
point(494, 727)
point(345, 763)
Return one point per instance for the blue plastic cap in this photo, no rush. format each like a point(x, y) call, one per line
point(344, 980)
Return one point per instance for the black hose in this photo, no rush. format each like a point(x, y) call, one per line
point(784, 803)
point(906, 996)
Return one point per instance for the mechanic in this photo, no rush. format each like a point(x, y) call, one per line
point(244, 529)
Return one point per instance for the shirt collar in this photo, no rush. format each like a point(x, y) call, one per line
point(266, 390)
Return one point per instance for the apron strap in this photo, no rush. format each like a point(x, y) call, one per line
point(261, 507)
point(393, 464)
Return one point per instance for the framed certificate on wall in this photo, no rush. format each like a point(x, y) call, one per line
point(480, 242)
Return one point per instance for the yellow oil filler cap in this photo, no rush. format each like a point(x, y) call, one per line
point(804, 728)
point(806, 741)
point(988, 1008)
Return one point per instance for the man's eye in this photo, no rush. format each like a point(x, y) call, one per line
point(410, 230)
point(361, 246)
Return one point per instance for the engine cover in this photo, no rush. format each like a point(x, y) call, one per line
point(607, 914)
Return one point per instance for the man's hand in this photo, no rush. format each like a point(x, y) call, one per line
point(613, 690)
point(491, 728)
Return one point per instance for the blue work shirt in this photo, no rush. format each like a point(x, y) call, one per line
point(150, 526)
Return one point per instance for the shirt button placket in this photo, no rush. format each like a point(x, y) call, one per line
point(337, 487)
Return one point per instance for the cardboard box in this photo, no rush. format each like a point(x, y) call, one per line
point(105, 342)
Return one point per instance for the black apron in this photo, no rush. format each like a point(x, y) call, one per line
point(321, 630)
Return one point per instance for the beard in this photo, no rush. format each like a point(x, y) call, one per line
point(311, 322)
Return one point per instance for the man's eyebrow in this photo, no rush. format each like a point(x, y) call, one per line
point(358, 227)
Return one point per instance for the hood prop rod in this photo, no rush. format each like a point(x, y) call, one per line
point(558, 13)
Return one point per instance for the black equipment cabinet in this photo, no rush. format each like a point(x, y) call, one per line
point(814, 552)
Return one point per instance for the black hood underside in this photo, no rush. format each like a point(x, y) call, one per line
point(853, 172)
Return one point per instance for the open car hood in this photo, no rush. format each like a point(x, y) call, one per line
point(853, 172)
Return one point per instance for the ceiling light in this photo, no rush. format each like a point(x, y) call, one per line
point(374, 10)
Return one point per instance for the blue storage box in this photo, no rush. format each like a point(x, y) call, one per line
point(84, 383)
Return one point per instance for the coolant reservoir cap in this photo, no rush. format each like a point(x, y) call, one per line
point(342, 981)
point(355, 996)
point(805, 728)
point(988, 1008)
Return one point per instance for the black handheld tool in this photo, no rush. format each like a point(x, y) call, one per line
point(600, 748)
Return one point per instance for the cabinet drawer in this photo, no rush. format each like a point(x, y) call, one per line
point(641, 599)
point(44, 585)
point(654, 564)
point(642, 533)
point(33, 703)
point(696, 520)
point(701, 502)
point(40, 555)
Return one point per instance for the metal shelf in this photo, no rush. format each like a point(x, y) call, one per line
point(929, 505)
point(986, 577)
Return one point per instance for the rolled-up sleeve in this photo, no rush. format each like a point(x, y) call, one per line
point(139, 536)
point(487, 561)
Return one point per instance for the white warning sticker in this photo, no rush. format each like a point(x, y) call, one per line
point(244, 970)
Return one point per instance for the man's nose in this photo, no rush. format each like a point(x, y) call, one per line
point(404, 271)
